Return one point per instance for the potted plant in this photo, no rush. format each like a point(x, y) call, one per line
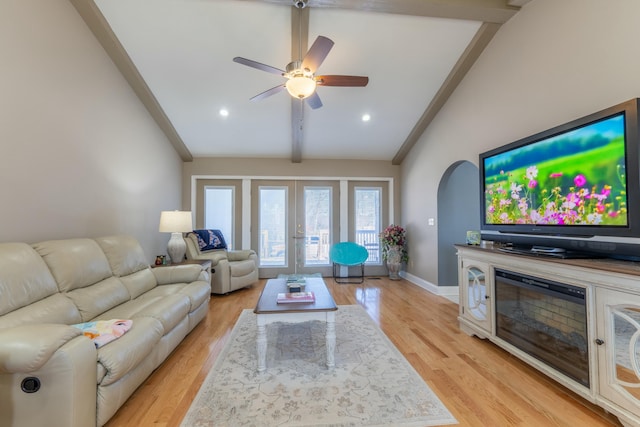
point(394, 250)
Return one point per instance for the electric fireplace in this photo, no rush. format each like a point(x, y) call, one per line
point(545, 319)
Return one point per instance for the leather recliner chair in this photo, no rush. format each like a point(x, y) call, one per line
point(231, 269)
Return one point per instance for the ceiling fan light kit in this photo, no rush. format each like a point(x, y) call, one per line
point(301, 80)
point(300, 86)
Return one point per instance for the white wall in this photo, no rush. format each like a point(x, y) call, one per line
point(79, 154)
point(553, 62)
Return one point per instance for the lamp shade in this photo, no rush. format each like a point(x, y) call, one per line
point(176, 222)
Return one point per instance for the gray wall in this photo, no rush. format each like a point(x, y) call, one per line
point(551, 63)
point(79, 154)
point(251, 167)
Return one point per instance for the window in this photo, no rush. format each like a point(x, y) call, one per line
point(273, 226)
point(368, 220)
point(317, 211)
point(219, 211)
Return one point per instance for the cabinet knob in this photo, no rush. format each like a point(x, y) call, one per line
point(599, 341)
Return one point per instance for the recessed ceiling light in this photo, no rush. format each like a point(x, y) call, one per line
point(366, 117)
point(224, 112)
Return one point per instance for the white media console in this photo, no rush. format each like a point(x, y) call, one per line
point(587, 309)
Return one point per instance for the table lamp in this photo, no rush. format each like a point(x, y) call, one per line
point(176, 223)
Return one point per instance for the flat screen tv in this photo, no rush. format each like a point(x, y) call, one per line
point(573, 190)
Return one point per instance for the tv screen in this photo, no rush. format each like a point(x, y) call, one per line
point(574, 178)
point(575, 186)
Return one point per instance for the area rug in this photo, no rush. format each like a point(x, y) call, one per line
point(286, 276)
point(372, 384)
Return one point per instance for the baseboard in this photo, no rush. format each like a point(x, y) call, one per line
point(449, 292)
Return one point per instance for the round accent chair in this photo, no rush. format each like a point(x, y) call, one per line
point(348, 254)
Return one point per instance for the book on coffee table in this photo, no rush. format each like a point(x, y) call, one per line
point(293, 297)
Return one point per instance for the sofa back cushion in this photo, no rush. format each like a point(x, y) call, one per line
point(124, 253)
point(74, 263)
point(82, 272)
point(128, 262)
point(55, 308)
point(28, 289)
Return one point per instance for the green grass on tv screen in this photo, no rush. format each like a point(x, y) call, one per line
point(563, 181)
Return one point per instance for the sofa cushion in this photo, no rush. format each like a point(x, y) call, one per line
point(94, 300)
point(169, 310)
point(124, 253)
point(119, 357)
point(197, 292)
point(242, 268)
point(83, 273)
point(139, 282)
point(74, 263)
point(53, 309)
point(25, 277)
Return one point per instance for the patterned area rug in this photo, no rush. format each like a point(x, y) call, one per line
point(371, 385)
point(286, 276)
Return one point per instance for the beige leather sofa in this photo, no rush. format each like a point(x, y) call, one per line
point(51, 374)
point(232, 270)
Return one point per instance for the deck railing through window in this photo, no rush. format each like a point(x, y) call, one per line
point(370, 239)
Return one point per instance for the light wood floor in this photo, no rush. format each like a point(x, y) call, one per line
point(479, 383)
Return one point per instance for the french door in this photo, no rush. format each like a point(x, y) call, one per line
point(367, 217)
point(296, 224)
point(292, 224)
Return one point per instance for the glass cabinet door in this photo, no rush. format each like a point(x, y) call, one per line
point(475, 294)
point(618, 343)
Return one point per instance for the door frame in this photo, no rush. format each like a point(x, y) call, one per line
point(243, 215)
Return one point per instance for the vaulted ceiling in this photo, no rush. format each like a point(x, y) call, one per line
point(177, 56)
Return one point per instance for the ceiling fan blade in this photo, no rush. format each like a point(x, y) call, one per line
point(268, 93)
point(314, 101)
point(342, 80)
point(258, 65)
point(317, 53)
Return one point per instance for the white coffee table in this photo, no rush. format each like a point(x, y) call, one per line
point(269, 311)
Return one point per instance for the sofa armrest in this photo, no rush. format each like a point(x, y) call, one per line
point(57, 364)
point(214, 256)
point(28, 348)
point(185, 273)
point(240, 255)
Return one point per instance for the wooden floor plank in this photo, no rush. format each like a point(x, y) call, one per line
point(481, 384)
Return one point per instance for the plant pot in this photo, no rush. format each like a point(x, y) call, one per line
point(394, 262)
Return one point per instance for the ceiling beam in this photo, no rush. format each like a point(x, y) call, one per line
point(299, 43)
point(100, 28)
point(493, 11)
point(459, 70)
point(297, 129)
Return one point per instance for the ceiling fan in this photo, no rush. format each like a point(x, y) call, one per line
point(301, 79)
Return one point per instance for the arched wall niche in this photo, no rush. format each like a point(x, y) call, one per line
point(458, 212)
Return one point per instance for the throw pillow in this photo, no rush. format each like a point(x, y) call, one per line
point(209, 240)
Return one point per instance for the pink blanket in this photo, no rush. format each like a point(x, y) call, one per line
point(104, 331)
